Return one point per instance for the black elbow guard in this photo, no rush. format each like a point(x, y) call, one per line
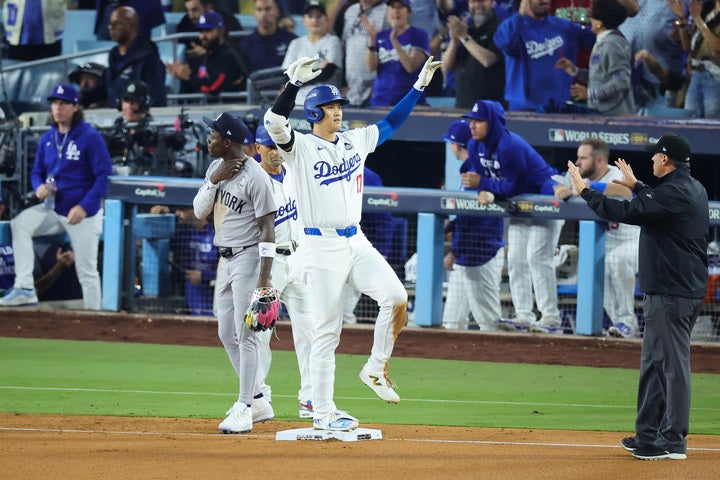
point(285, 102)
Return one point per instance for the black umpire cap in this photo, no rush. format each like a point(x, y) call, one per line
point(672, 145)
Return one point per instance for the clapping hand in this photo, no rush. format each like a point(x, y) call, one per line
point(628, 179)
point(577, 181)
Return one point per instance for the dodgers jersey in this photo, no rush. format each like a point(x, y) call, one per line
point(287, 211)
point(328, 176)
point(236, 203)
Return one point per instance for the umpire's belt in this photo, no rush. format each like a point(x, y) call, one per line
point(340, 232)
point(229, 252)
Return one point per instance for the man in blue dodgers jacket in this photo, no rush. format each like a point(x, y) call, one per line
point(506, 165)
point(70, 176)
point(533, 41)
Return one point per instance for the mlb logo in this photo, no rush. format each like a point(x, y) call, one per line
point(556, 135)
point(447, 203)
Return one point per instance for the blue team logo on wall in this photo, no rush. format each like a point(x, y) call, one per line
point(333, 173)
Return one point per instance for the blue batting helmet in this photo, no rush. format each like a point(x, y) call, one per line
point(319, 96)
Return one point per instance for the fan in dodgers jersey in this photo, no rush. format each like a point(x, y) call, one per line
point(327, 176)
point(239, 194)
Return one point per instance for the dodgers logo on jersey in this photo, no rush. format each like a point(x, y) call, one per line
point(334, 173)
point(286, 212)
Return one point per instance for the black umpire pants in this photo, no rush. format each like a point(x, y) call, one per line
point(663, 406)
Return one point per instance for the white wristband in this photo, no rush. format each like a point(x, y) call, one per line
point(266, 249)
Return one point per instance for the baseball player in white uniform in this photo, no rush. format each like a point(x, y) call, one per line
point(621, 240)
point(239, 194)
point(327, 176)
point(294, 293)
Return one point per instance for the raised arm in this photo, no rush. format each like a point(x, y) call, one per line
point(276, 119)
point(397, 116)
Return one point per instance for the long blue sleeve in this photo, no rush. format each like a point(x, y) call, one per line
point(397, 116)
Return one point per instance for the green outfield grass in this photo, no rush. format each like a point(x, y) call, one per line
point(99, 378)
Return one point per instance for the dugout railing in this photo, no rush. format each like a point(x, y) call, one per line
point(431, 206)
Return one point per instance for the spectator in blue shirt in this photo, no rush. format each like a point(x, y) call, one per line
point(397, 55)
point(533, 41)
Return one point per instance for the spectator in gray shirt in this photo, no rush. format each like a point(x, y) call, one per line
point(606, 84)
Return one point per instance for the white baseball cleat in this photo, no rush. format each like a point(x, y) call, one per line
point(306, 409)
point(381, 384)
point(239, 419)
point(262, 411)
point(18, 297)
point(337, 421)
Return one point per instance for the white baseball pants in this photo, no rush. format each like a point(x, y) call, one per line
point(329, 262)
point(296, 297)
point(474, 289)
point(531, 246)
point(84, 238)
point(621, 265)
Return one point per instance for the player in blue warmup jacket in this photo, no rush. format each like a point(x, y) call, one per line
point(506, 165)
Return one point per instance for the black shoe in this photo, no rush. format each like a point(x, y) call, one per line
point(629, 444)
point(651, 452)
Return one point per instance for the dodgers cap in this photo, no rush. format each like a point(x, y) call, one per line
point(64, 92)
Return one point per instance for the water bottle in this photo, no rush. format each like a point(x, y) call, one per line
point(49, 201)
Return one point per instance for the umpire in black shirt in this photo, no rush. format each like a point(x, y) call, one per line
point(673, 274)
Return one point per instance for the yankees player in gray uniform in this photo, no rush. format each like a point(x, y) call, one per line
point(239, 194)
point(327, 176)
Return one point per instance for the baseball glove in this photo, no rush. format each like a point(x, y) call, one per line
point(264, 309)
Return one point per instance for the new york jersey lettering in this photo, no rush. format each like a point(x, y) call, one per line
point(231, 201)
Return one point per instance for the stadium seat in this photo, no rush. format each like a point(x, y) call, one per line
point(88, 45)
point(170, 55)
point(264, 85)
point(37, 83)
point(11, 79)
point(441, 102)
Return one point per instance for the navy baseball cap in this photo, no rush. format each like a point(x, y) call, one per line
point(316, 5)
point(458, 132)
point(404, 2)
point(479, 111)
point(228, 126)
point(249, 138)
point(263, 137)
point(672, 145)
point(64, 92)
point(209, 20)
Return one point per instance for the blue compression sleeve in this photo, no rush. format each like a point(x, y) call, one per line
point(397, 116)
point(599, 186)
